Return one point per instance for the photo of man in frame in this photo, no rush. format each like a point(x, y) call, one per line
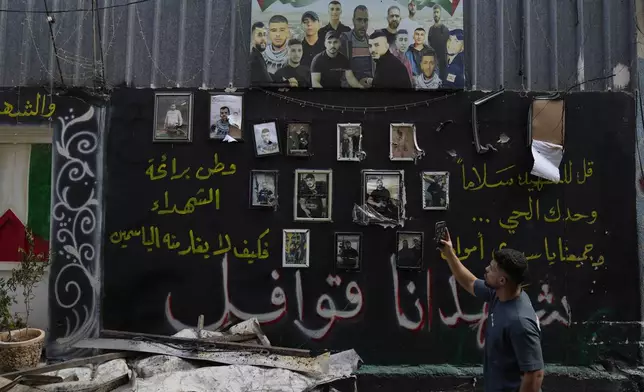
point(383, 194)
point(348, 247)
point(173, 117)
point(299, 139)
point(263, 188)
point(225, 116)
point(296, 248)
point(313, 195)
point(409, 253)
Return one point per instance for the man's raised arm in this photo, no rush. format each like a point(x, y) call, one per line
point(462, 275)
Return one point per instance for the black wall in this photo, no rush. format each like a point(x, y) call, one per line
point(599, 128)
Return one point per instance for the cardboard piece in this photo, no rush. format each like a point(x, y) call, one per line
point(548, 120)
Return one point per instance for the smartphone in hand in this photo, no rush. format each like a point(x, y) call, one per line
point(440, 230)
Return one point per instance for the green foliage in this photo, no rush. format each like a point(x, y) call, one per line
point(26, 276)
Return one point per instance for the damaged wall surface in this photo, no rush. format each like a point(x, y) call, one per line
point(579, 278)
point(533, 45)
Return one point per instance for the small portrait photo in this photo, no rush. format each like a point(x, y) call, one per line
point(295, 248)
point(313, 195)
point(349, 141)
point(266, 140)
point(382, 191)
point(409, 251)
point(435, 188)
point(172, 117)
point(263, 188)
point(226, 116)
point(348, 249)
point(298, 142)
point(402, 138)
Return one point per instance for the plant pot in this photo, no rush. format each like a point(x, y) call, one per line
point(22, 353)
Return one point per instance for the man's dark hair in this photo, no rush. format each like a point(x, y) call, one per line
point(436, 6)
point(513, 263)
point(359, 8)
point(257, 25)
point(401, 31)
point(393, 7)
point(419, 28)
point(224, 107)
point(278, 19)
point(294, 41)
point(427, 52)
point(335, 2)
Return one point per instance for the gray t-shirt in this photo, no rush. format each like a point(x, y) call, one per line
point(512, 340)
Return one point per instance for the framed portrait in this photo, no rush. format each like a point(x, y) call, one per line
point(313, 195)
point(382, 191)
point(298, 139)
point(172, 117)
point(402, 142)
point(296, 248)
point(266, 139)
point(435, 189)
point(226, 116)
point(263, 188)
point(349, 142)
point(348, 251)
point(409, 249)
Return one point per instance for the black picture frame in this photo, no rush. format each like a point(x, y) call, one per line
point(336, 264)
point(406, 265)
point(289, 151)
point(254, 185)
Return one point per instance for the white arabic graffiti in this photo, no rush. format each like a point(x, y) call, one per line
point(278, 298)
point(478, 319)
point(326, 307)
point(74, 222)
point(423, 316)
point(547, 296)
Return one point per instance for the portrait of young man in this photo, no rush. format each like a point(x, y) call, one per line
point(512, 360)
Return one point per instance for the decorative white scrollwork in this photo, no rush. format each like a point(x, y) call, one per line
point(76, 230)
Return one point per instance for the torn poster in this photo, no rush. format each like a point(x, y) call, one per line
point(547, 158)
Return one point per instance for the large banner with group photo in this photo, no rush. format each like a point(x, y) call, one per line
point(406, 44)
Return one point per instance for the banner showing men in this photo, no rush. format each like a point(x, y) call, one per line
point(403, 44)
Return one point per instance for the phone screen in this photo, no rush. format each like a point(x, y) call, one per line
point(440, 232)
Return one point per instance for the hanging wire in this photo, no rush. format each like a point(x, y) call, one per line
point(50, 21)
point(73, 10)
point(356, 109)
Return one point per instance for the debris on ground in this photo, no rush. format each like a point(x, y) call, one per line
point(239, 359)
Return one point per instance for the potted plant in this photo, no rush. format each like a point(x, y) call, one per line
point(20, 345)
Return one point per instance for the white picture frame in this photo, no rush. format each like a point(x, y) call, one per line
point(296, 254)
point(266, 139)
point(403, 145)
point(434, 185)
point(313, 204)
point(172, 117)
point(348, 150)
point(233, 118)
point(393, 209)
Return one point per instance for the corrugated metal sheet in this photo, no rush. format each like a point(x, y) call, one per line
point(517, 44)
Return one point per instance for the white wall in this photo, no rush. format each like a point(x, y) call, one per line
point(39, 317)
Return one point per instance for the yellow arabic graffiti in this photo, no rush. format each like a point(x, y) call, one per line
point(552, 215)
point(525, 179)
point(464, 254)
point(38, 108)
point(190, 205)
point(161, 171)
point(151, 238)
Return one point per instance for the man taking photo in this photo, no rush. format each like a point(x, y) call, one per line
point(512, 361)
